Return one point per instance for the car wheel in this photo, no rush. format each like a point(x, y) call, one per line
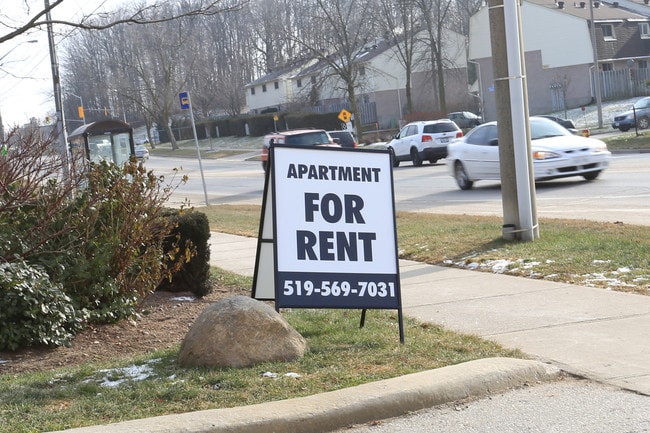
point(591, 175)
point(624, 128)
point(433, 160)
point(462, 179)
point(642, 123)
point(416, 158)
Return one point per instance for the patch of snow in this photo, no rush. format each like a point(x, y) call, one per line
point(126, 374)
point(499, 266)
point(184, 298)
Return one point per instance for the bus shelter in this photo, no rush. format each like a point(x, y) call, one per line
point(105, 140)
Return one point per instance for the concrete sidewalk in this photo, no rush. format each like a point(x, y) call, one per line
point(595, 333)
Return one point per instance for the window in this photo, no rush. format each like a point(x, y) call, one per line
point(644, 29)
point(642, 64)
point(313, 79)
point(608, 32)
point(607, 66)
point(362, 70)
point(276, 85)
point(252, 90)
point(263, 87)
point(299, 82)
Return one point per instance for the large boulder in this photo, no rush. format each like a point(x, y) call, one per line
point(240, 332)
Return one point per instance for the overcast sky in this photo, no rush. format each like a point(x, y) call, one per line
point(26, 88)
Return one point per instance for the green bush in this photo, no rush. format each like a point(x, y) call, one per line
point(33, 310)
point(187, 253)
point(108, 259)
point(97, 233)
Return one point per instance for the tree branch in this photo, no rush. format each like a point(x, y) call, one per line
point(144, 15)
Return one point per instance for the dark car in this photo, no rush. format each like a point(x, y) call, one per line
point(465, 119)
point(296, 137)
point(639, 116)
point(344, 138)
point(567, 123)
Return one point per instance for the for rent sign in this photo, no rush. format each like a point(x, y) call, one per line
point(334, 229)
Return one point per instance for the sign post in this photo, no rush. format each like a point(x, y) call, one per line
point(331, 241)
point(186, 104)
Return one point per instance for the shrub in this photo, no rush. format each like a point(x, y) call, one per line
point(34, 311)
point(187, 253)
point(97, 233)
point(106, 244)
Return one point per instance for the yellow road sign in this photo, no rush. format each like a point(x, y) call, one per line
point(345, 115)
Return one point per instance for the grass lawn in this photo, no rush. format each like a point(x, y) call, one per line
point(607, 255)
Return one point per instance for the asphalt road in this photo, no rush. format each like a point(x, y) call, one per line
point(575, 406)
point(621, 193)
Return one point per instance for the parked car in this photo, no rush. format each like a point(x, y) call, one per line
point(422, 140)
point(625, 121)
point(141, 152)
point(465, 119)
point(344, 138)
point(296, 137)
point(567, 123)
point(556, 153)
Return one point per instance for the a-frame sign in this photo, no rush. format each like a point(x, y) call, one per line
point(327, 235)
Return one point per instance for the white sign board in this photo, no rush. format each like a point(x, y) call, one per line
point(334, 228)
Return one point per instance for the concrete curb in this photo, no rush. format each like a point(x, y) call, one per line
point(337, 409)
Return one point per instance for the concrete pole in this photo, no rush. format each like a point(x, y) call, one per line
point(597, 81)
point(512, 117)
point(56, 82)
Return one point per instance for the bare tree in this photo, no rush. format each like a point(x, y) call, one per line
point(143, 14)
point(401, 21)
point(344, 28)
point(434, 17)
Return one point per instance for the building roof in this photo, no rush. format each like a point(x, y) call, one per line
point(614, 10)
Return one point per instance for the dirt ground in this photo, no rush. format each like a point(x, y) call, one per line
point(163, 321)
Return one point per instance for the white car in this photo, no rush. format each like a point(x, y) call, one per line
point(141, 152)
point(556, 153)
point(423, 140)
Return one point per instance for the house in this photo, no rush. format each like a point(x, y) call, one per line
point(559, 55)
point(380, 90)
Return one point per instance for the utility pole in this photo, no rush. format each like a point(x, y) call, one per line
point(56, 82)
point(597, 85)
point(517, 175)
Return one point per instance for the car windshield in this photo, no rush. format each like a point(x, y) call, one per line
point(308, 138)
point(642, 103)
point(544, 128)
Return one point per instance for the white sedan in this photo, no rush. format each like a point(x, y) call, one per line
point(556, 153)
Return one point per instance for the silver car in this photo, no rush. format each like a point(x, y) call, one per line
point(556, 152)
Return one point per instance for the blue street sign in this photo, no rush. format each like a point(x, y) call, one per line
point(185, 100)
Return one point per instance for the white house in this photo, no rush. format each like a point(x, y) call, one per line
point(380, 89)
point(559, 54)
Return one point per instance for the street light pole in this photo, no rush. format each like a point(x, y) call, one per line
point(56, 82)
